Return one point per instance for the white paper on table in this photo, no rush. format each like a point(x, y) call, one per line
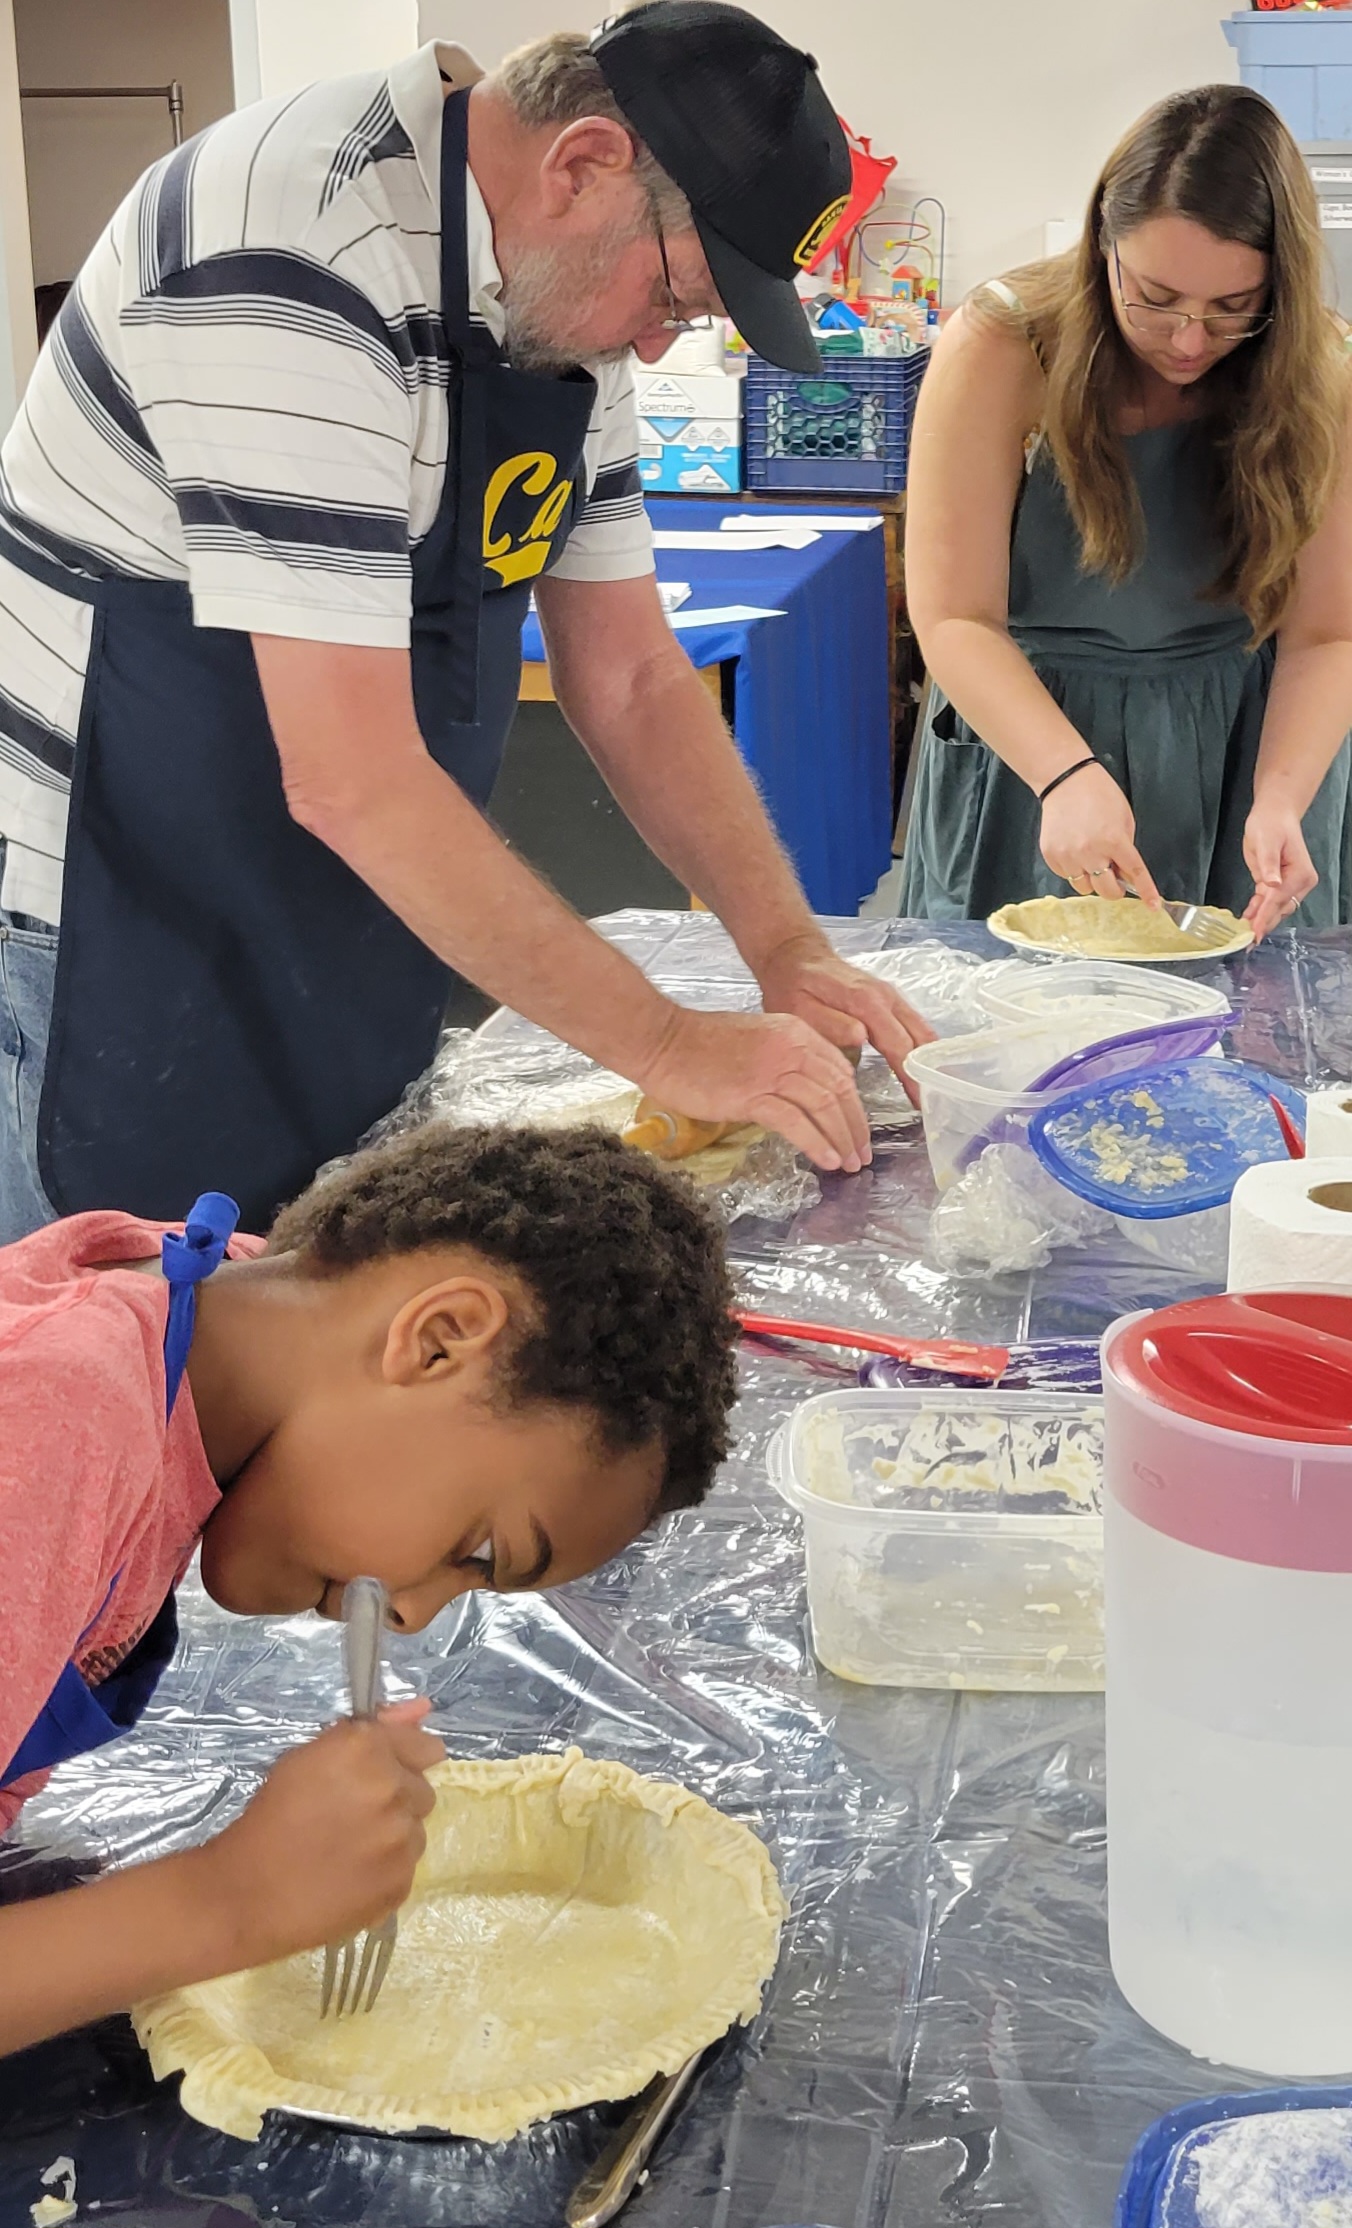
point(782, 537)
point(748, 523)
point(727, 614)
point(673, 593)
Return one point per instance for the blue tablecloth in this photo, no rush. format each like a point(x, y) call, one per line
point(811, 708)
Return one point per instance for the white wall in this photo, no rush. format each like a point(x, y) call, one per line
point(300, 40)
point(18, 329)
point(1004, 108)
point(83, 156)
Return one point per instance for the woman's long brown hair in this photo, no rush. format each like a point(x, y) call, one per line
point(1277, 404)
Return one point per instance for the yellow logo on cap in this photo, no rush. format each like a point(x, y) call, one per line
point(522, 551)
point(819, 230)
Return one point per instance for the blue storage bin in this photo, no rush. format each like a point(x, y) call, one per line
point(1302, 62)
point(848, 431)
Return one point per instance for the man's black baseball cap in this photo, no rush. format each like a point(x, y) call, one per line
point(738, 119)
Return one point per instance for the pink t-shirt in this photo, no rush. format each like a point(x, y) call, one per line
point(101, 1503)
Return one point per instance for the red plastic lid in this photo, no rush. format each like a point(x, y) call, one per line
point(1229, 1426)
point(1275, 1364)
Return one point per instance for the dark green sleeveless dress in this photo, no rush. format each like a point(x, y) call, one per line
point(1163, 689)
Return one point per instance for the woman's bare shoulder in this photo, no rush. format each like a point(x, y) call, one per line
point(989, 354)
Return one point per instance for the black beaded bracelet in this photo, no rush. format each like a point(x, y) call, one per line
point(1064, 775)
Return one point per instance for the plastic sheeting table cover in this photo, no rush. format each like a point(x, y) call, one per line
point(942, 2042)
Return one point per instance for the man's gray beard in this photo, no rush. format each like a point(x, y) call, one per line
point(545, 297)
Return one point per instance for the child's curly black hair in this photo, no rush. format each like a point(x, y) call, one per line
point(624, 1263)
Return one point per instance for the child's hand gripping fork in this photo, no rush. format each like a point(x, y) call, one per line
point(361, 1973)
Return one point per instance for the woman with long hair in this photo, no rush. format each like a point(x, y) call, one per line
point(1129, 548)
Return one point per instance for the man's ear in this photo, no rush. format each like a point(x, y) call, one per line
point(445, 1329)
point(593, 153)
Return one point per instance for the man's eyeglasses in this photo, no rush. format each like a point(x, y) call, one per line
point(1150, 317)
point(673, 322)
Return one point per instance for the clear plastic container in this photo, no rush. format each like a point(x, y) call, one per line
point(953, 1538)
point(1197, 1244)
point(969, 1082)
point(1024, 990)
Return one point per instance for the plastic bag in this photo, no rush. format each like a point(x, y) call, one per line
point(939, 981)
point(535, 1080)
point(1007, 1213)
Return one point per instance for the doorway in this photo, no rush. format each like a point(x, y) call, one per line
point(105, 88)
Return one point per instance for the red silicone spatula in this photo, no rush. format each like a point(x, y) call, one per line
point(1291, 1137)
point(952, 1355)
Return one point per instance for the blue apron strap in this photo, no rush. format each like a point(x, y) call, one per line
point(186, 1260)
point(473, 352)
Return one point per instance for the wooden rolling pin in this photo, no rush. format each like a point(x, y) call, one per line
point(672, 1136)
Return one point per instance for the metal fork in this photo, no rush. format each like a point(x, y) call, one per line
point(1195, 921)
point(349, 1972)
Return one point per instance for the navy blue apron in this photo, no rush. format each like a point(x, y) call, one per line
point(232, 1003)
point(76, 1718)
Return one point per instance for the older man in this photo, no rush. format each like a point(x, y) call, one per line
point(312, 424)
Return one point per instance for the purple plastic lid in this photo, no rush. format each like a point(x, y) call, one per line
point(1186, 1038)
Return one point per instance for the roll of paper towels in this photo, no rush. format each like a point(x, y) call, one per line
point(1328, 1122)
point(1291, 1226)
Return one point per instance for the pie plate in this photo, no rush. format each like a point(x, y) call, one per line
point(1090, 928)
point(574, 1930)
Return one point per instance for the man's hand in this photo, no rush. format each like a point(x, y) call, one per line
point(766, 1068)
point(1283, 872)
point(845, 1004)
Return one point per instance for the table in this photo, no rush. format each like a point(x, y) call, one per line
point(906, 668)
point(810, 694)
point(942, 2045)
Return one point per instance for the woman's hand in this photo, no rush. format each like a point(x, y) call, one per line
point(1276, 856)
point(1089, 838)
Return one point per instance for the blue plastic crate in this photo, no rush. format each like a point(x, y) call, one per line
point(1302, 62)
point(848, 431)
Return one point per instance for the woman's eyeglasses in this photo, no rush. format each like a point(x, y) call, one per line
point(1150, 317)
point(673, 322)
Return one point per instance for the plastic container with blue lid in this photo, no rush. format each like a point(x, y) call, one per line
point(1184, 1037)
point(1278, 2158)
point(1163, 1141)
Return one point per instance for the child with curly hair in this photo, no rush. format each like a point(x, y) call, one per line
point(477, 1357)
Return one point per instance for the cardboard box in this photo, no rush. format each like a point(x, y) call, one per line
point(688, 394)
point(690, 457)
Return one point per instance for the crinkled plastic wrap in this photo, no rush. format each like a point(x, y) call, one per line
point(1007, 1213)
point(511, 1072)
point(942, 2045)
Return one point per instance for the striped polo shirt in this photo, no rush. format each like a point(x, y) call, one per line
point(246, 390)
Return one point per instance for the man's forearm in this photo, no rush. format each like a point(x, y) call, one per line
point(677, 774)
point(421, 846)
